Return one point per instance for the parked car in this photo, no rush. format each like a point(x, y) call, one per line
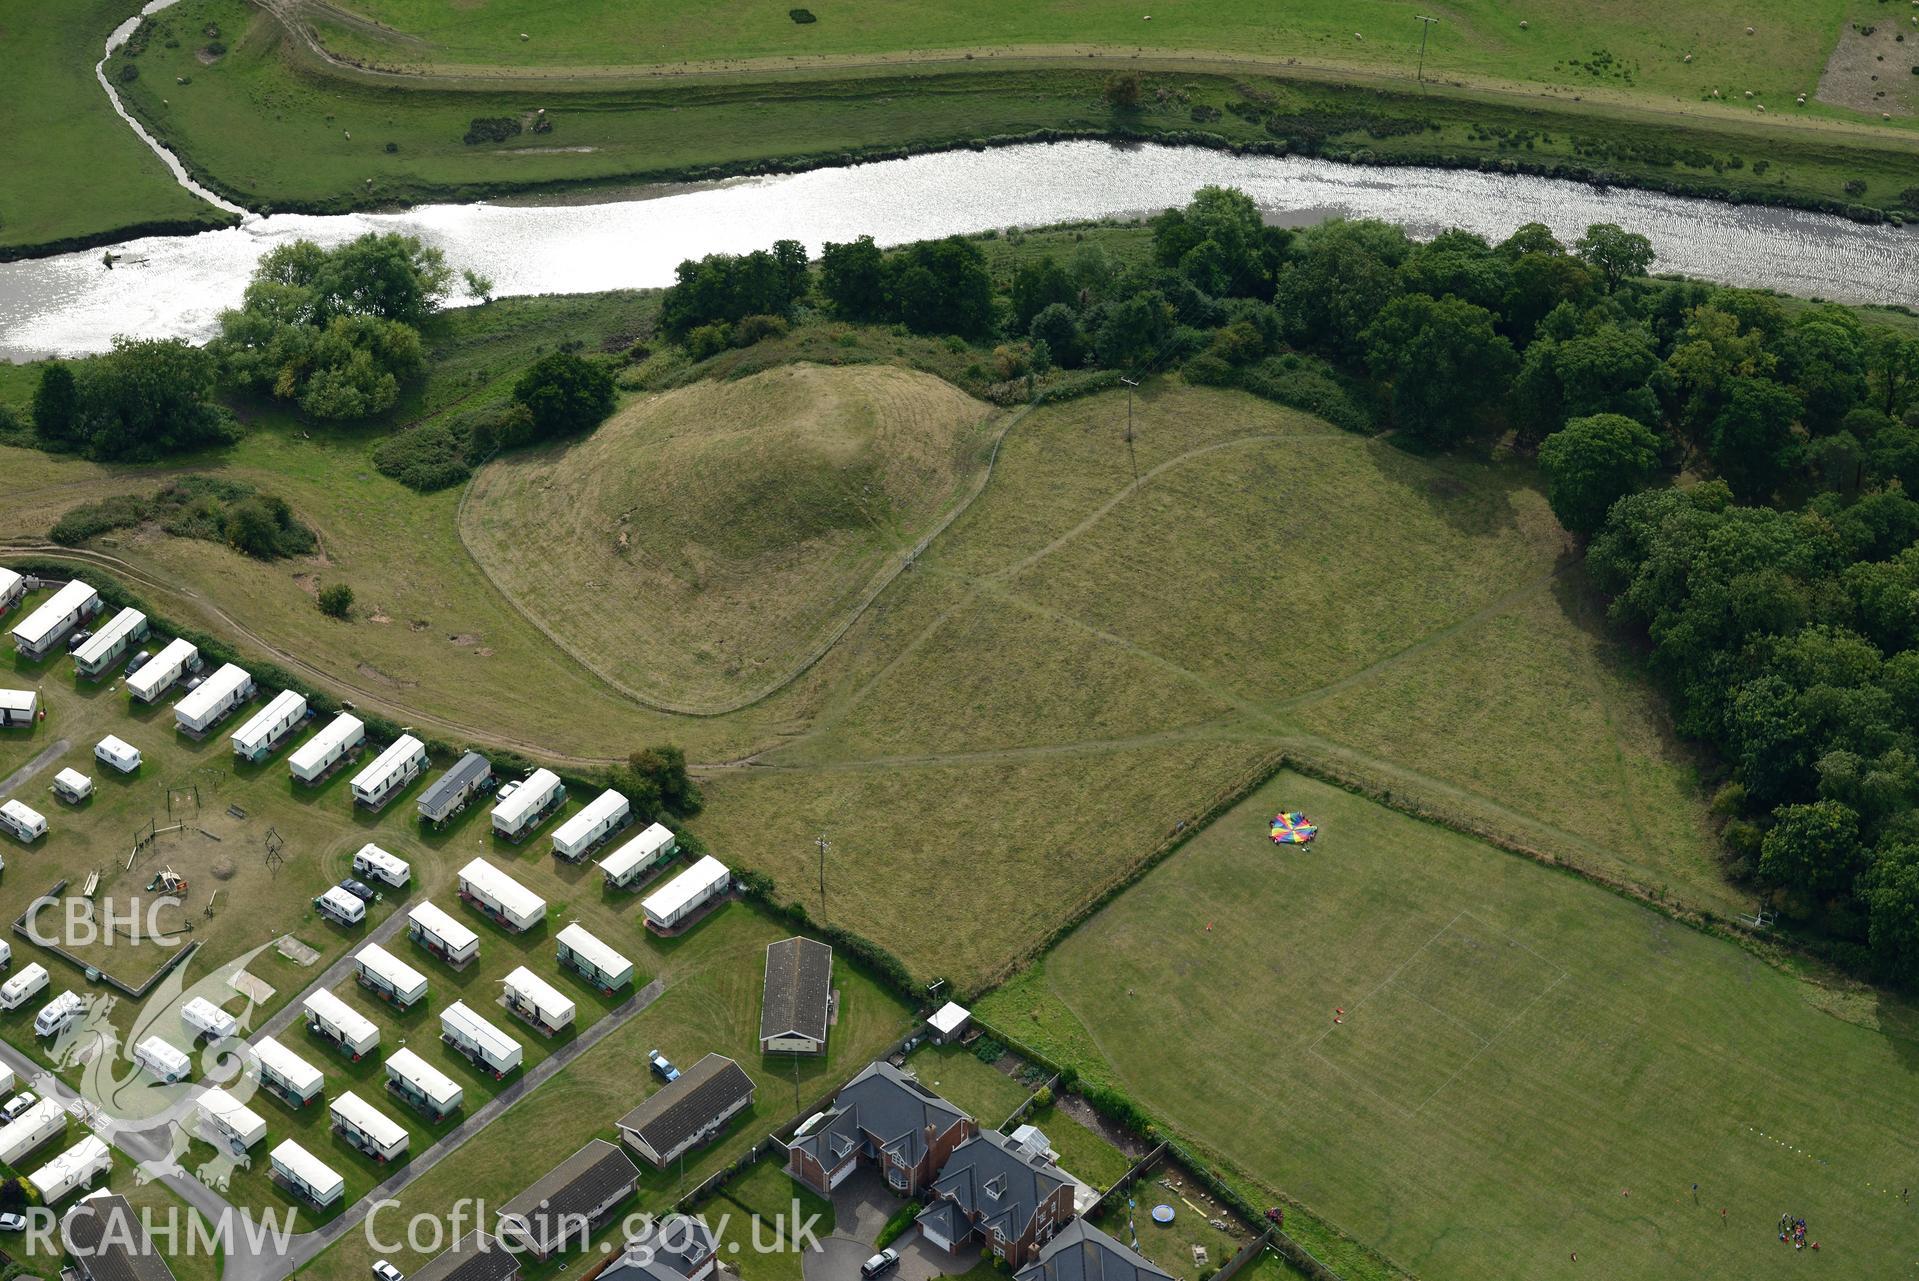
point(386, 1271)
point(138, 661)
point(13, 1223)
point(17, 1106)
point(884, 1261)
point(359, 889)
point(79, 638)
point(667, 1071)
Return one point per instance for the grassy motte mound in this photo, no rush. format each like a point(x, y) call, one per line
point(705, 542)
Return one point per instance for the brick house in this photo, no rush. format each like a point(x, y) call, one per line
point(886, 1119)
point(996, 1191)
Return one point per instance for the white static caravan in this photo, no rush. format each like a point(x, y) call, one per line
point(166, 1061)
point(388, 977)
point(521, 810)
point(158, 673)
point(217, 695)
point(32, 1130)
point(327, 748)
point(639, 856)
point(686, 893)
point(117, 753)
point(341, 907)
point(306, 1175)
point(59, 1014)
point(441, 935)
point(71, 786)
point(367, 1128)
point(537, 1001)
point(487, 1046)
point(423, 1085)
point(18, 707)
point(22, 821)
point(500, 896)
point(269, 727)
point(332, 1019)
point(597, 963)
point(107, 645)
point(59, 614)
point(284, 1073)
point(13, 587)
point(30, 982)
point(376, 864)
point(204, 1018)
point(72, 1170)
point(403, 761)
point(604, 814)
point(231, 1119)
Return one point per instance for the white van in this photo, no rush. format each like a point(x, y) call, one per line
point(24, 986)
point(59, 1014)
point(340, 907)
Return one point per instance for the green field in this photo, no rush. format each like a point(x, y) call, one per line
point(1525, 1067)
point(342, 136)
point(74, 168)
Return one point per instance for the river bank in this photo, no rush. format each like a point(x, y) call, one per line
point(176, 287)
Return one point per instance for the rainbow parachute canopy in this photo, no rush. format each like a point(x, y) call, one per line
point(1290, 827)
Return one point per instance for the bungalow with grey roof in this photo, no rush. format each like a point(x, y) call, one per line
point(563, 1208)
point(798, 1000)
point(675, 1247)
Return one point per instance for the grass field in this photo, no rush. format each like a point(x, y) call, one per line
point(54, 113)
point(1526, 1066)
point(1507, 95)
point(768, 1194)
point(979, 1089)
point(708, 541)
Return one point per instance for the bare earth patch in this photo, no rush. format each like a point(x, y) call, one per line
point(1873, 73)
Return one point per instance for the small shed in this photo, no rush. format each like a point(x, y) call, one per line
point(18, 708)
point(71, 786)
point(117, 753)
point(949, 1022)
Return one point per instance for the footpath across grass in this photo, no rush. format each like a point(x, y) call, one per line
point(1523, 1066)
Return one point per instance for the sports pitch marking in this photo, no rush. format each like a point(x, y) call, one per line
point(1470, 1040)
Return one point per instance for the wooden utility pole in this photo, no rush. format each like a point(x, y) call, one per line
point(821, 842)
point(1130, 453)
point(1423, 33)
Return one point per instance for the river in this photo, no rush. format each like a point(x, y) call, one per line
point(176, 286)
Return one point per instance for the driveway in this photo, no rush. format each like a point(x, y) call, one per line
point(861, 1207)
